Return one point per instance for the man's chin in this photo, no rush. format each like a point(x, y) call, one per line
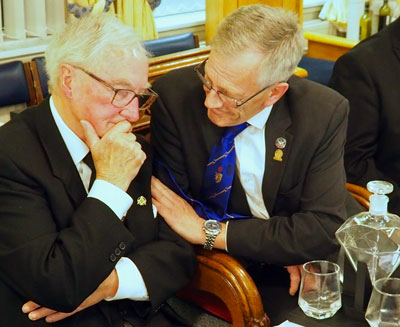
point(218, 118)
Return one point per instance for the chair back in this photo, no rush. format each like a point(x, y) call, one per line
point(40, 79)
point(171, 44)
point(319, 70)
point(361, 194)
point(41, 68)
point(16, 84)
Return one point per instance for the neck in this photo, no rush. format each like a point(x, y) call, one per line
point(64, 109)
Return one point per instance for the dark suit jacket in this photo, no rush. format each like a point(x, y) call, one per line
point(57, 245)
point(369, 77)
point(304, 194)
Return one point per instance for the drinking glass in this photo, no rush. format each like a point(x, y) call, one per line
point(320, 295)
point(384, 305)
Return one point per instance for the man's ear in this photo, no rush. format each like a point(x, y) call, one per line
point(275, 93)
point(66, 77)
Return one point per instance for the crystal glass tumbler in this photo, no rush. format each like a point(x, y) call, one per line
point(320, 291)
point(384, 305)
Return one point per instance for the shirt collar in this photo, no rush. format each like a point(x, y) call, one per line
point(261, 118)
point(76, 147)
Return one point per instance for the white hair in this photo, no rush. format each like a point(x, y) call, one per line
point(90, 42)
point(270, 31)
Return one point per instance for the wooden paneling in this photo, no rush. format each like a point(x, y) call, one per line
point(216, 10)
point(327, 47)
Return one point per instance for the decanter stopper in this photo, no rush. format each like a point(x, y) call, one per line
point(378, 200)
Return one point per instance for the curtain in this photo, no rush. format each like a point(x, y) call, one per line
point(137, 13)
point(79, 8)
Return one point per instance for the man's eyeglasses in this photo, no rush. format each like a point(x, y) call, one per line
point(123, 97)
point(199, 69)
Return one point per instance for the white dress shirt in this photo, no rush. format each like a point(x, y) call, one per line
point(130, 282)
point(250, 163)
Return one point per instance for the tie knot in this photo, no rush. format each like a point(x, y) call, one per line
point(233, 131)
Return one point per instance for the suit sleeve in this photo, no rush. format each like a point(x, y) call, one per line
point(308, 233)
point(167, 263)
point(56, 267)
point(354, 80)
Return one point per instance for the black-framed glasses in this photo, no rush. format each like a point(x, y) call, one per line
point(199, 69)
point(123, 97)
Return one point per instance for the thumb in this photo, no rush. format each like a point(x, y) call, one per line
point(89, 133)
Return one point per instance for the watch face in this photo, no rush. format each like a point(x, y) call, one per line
point(212, 225)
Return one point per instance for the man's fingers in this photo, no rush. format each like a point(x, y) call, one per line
point(89, 133)
point(29, 306)
point(122, 127)
point(57, 316)
point(40, 313)
point(163, 193)
point(295, 278)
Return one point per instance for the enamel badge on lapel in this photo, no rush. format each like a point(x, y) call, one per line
point(141, 201)
point(280, 143)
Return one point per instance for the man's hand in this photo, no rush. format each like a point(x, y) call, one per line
point(295, 278)
point(177, 213)
point(117, 156)
point(106, 289)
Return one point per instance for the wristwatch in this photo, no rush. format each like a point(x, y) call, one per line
point(212, 228)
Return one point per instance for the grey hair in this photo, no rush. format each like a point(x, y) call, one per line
point(270, 31)
point(90, 42)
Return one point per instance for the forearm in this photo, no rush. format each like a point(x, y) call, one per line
point(284, 240)
point(170, 254)
point(51, 260)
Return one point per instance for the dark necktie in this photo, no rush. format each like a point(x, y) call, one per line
point(218, 177)
point(89, 161)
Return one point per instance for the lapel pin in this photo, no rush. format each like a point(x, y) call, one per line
point(278, 155)
point(141, 201)
point(280, 142)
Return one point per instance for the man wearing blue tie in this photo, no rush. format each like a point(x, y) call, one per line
point(273, 191)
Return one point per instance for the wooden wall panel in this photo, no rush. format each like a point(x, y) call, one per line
point(216, 10)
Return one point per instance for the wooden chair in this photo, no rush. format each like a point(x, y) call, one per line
point(16, 84)
point(361, 194)
point(222, 287)
point(16, 89)
point(38, 70)
point(171, 44)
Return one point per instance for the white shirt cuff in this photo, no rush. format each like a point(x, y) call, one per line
point(130, 282)
point(116, 199)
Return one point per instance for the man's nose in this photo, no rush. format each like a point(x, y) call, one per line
point(213, 100)
point(131, 111)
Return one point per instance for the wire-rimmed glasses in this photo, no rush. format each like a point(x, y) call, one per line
point(199, 69)
point(123, 97)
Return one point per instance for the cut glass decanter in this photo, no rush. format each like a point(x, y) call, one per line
point(373, 237)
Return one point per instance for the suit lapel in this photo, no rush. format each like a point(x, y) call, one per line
point(395, 37)
point(57, 153)
point(211, 133)
point(276, 127)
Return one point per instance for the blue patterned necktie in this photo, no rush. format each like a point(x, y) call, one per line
point(218, 177)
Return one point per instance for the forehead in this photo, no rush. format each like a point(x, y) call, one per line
point(129, 71)
point(235, 73)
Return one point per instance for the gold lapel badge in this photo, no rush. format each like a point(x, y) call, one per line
point(278, 155)
point(218, 177)
point(141, 201)
point(280, 143)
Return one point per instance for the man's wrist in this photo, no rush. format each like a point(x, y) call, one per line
point(212, 228)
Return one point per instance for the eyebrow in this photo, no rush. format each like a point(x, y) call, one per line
point(129, 86)
point(223, 90)
point(121, 82)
